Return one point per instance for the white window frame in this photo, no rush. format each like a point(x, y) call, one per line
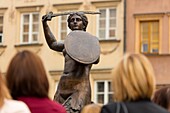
point(59, 26)
point(30, 28)
point(106, 91)
point(107, 24)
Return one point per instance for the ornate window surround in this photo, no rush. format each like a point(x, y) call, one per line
point(147, 17)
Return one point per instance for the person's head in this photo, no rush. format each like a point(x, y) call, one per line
point(4, 93)
point(133, 78)
point(26, 76)
point(77, 21)
point(91, 108)
point(162, 97)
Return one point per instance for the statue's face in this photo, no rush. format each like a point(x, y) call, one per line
point(76, 23)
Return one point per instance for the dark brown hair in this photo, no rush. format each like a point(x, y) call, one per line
point(26, 76)
point(83, 17)
point(162, 97)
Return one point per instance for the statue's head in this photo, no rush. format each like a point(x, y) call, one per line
point(83, 19)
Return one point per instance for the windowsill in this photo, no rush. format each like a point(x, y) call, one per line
point(29, 45)
point(34, 47)
point(109, 40)
point(2, 49)
point(156, 54)
point(2, 46)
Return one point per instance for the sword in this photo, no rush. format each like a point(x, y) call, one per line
point(50, 15)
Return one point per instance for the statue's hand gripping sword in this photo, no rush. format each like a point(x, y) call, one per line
point(50, 15)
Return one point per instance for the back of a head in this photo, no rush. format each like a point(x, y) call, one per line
point(162, 97)
point(91, 108)
point(26, 76)
point(133, 78)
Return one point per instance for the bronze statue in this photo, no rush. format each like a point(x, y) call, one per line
point(80, 50)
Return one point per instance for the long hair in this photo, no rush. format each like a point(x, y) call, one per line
point(26, 76)
point(83, 17)
point(4, 92)
point(133, 78)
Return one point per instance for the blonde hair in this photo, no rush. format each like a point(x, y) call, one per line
point(4, 92)
point(133, 78)
point(91, 108)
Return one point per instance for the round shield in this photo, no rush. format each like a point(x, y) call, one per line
point(82, 47)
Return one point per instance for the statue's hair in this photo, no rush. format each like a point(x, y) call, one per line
point(83, 17)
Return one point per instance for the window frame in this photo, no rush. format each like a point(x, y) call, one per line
point(2, 34)
point(107, 23)
point(66, 7)
point(30, 32)
point(149, 38)
point(147, 17)
point(59, 28)
point(105, 93)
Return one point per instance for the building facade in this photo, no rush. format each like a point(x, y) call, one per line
point(148, 32)
point(21, 28)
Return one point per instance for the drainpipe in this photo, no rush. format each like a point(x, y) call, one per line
point(124, 49)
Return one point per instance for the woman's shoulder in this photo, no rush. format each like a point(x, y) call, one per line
point(109, 108)
point(134, 107)
point(110, 104)
point(14, 106)
point(46, 105)
point(55, 106)
point(159, 108)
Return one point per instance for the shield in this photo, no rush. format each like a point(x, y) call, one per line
point(82, 47)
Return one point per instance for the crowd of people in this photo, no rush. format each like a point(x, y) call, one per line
point(25, 87)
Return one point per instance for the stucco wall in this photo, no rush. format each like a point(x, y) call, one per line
point(161, 62)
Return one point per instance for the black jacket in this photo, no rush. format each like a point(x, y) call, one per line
point(142, 106)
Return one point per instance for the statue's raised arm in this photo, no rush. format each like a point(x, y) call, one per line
point(50, 39)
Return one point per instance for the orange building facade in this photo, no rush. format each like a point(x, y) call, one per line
point(148, 32)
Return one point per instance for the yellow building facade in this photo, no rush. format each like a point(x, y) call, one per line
point(21, 28)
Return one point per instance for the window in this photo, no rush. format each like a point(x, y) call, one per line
point(63, 27)
point(1, 29)
point(29, 27)
point(148, 33)
point(149, 36)
point(103, 92)
point(106, 27)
